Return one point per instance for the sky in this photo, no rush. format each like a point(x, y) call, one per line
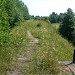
point(46, 7)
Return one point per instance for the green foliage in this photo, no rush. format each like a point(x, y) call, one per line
point(17, 11)
point(4, 24)
point(11, 12)
point(66, 28)
point(44, 18)
point(73, 34)
point(56, 25)
point(48, 36)
point(61, 17)
point(53, 18)
point(45, 61)
point(51, 49)
point(14, 42)
point(13, 46)
point(39, 24)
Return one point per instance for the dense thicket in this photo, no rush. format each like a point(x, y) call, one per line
point(16, 11)
point(67, 28)
point(11, 12)
point(61, 17)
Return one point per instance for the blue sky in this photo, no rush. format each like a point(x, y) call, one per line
point(45, 7)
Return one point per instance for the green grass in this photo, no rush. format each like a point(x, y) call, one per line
point(56, 25)
point(51, 48)
point(48, 36)
point(14, 47)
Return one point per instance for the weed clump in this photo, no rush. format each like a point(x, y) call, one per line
point(39, 25)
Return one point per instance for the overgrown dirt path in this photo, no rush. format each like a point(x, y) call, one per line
point(22, 61)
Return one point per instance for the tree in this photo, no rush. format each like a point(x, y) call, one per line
point(11, 12)
point(17, 11)
point(66, 28)
point(53, 18)
point(61, 17)
point(32, 17)
point(37, 18)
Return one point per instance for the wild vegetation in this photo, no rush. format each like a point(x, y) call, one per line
point(15, 27)
point(50, 48)
point(67, 29)
point(11, 12)
point(44, 56)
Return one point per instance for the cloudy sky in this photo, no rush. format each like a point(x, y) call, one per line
point(45, 7)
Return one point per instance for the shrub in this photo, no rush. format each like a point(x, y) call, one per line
point(39, 25)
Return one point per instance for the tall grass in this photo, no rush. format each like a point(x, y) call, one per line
point(48, 36)
point(50, 49)
point(12, 48)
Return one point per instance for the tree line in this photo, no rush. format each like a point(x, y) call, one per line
point(45, 18)
point(53, 17)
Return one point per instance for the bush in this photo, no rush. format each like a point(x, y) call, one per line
point(39, 25)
